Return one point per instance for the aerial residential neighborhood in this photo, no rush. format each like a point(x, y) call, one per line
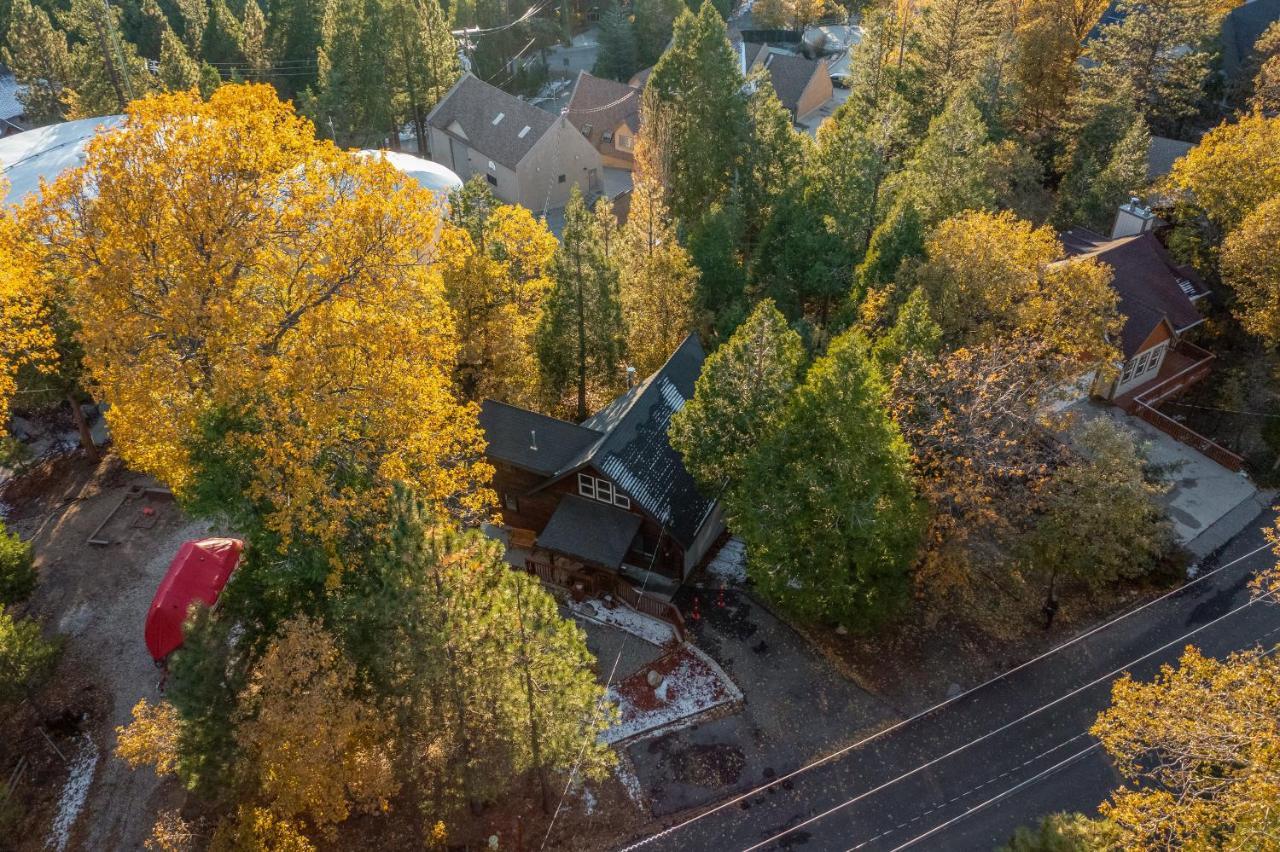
point(646, 425)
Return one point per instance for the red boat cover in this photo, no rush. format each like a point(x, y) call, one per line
point(197, 573)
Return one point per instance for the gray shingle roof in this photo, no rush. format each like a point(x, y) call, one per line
point(475, 105)
point(790, 75)
point(1240, 31)
point(598, 105)
point(1162, 154)
point(590, 530)
point(530, 440)
point(1150, 286)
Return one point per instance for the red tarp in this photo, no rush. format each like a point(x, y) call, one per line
point(197, 573)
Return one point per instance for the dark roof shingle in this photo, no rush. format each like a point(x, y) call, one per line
point(475, 106)
point(790, 76)
point(599, 105)
point(591, 530)
point(1150, 285)
point(530, 440)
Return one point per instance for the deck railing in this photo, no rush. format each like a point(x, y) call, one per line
point(1144, 406)
point(619, 589)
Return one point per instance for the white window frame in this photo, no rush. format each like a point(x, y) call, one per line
point(602, 490)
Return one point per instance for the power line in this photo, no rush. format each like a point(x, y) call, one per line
point(1006, 726)
point(939, 706)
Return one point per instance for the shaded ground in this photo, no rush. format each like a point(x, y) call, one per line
point(796, 705)
point(97, 597)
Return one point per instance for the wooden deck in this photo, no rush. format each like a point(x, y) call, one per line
point(1184, 365)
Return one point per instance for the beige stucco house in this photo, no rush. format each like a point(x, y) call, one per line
point(529, 156)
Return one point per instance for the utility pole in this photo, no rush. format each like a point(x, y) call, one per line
point(108, 42)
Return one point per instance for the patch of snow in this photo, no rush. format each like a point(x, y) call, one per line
point(74, 794)
point(663, 692)
point(588, 800)
point(626, 619)
point(75, 620)
point(626, 776)
point(730, 562)
point(693, 687)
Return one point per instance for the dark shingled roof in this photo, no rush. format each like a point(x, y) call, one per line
point(512, 433)
point(626, 440)
point(474, 104)
point(1162, 154)
point(1240, 31)
point(790, 75)
point(591, 530)
point(1150, 285)
point(599, 105)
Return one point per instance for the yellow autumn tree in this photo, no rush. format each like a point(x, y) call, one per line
point(26, 338)
point(314, 749)
point(1251, 267)
point(495, 261)
point(991, 275)
point(151, 739)
point(1234, 169)
point(657, 281)
point(225, 262)
point(1199, 749)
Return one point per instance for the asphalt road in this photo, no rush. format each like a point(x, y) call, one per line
point(965, 775)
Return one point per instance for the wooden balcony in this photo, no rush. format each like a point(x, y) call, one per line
point(1184, 365)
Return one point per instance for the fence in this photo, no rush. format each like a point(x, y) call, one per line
point(1145, 402)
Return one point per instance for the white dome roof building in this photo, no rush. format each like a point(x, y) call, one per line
point(433, 177)
point(46, 152)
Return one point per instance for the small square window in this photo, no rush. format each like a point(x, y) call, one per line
point(512, 503)
point(560, 179)
point(604, 491)
point(493, 179)
point(587, 485)
point(622, 501)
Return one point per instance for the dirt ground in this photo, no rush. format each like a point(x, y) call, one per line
point(97, 596)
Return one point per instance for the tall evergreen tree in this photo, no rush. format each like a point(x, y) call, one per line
point(695, 95)
point(654, 20)
point(38, 56)
point(107, 70)
point(221, 45)
point(955, 41)
point(826, 504)
point(1161, 49)
point(738, 398)
point(353, 93)
point(294, 34)
point(253, 42)
point(1046, 70)
point(1101, 119)
point(177, 71)
point(773, 155)
point(425, 59)
point(617, 57)
point(952, 169)
point(897, 239)
point(580, 342)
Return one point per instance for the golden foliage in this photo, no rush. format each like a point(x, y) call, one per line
point(1199, 748)
point(26, 338)
point(1251, 267)
point(224, 259)
point(151, 739)
point(171, 833)
point(495, 286)
point(254, 829)
point(316, 751)
point(1234, 169)
point(989, 275)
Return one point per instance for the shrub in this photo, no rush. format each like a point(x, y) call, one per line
point(26, 657)
point(17, 568)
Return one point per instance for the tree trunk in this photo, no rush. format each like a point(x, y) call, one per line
point(82, 426)
point(101, 23)
point(535, 736)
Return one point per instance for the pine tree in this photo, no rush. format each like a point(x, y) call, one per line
point(222, 37)
point(720, 298)
point(826, 504)
point(194, 17)
point(178, 71)
point(107, 70)
point(253, 42)
point(1050, 39)
point(617, 57)
point(657, 281)
point(38, 56)
point(896, 240)
point(1160, 48)
point(952, 170)
point(1124, 175)
point(913, 332)
point(773, 155)
point(738, 398)
point(954, 42)
point(353, 92)
point(695, 93)
point(424, 57)
point(294, 34)
point(580, 342)
point(654, 20)
point(1101, 119)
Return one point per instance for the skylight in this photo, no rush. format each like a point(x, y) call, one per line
point(521, 134)
point(499, 117)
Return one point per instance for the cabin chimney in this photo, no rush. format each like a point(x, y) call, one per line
point(533, 440)
point(1132, 219)
point(631, 377)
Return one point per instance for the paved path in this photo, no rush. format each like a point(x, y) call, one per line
point(966, 775)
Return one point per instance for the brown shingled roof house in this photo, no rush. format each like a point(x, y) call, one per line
point(607, 113)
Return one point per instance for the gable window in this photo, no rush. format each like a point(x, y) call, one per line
point(602, 490)
point(492, 178)
point(625, 143)
point(560, 179)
